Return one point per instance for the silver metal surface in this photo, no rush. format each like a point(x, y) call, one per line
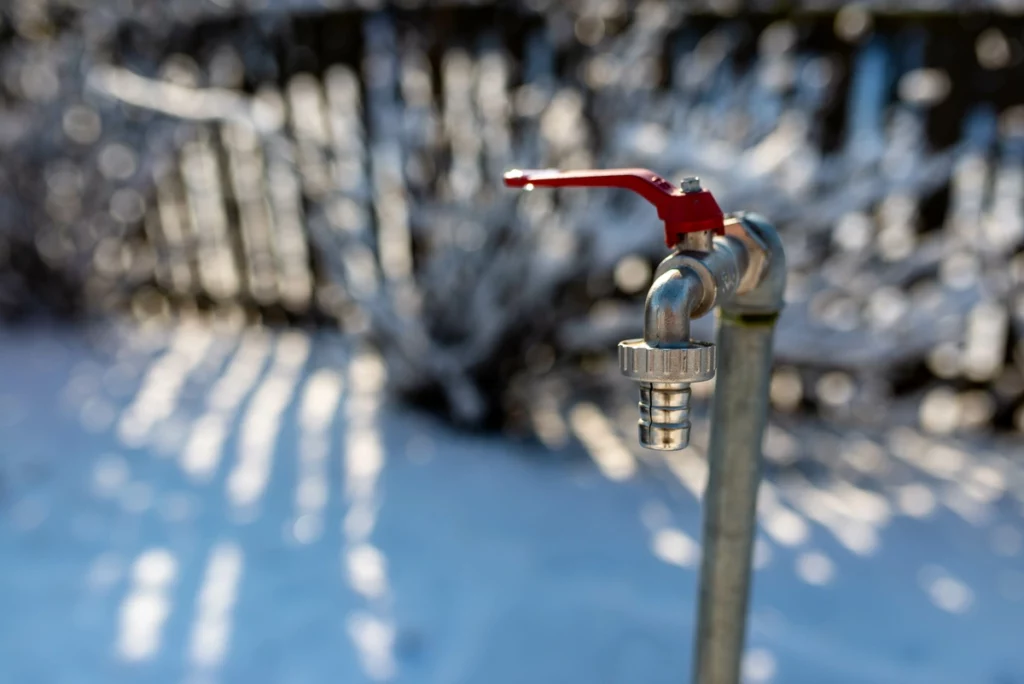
point(669, 306)
point(664, 416)
point(690, 362)
point(757, 252)
point(734, 460)
point(691, 184)
point(720, 269)
point(665, 374)
point(697, 241)
point(739, 415)
point(726, 264)
point(666, 360)
point(767, 296)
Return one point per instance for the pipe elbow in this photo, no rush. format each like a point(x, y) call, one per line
point(767, 297)
point(669, 307)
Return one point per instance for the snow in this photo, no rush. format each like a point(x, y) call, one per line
point(268, 515)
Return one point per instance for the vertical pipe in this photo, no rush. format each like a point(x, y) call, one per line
point(734, 458)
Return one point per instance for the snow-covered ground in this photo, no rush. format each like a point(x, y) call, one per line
point(201, 504)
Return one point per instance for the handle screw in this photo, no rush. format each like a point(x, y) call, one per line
point(691, 184)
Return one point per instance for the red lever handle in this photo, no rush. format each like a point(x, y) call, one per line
point(682, 211)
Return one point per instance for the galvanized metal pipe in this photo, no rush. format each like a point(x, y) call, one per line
point(739, 414)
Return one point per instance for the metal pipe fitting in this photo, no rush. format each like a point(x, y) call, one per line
point(688, 285)
point(664, 415)
point(664, 375)
point(765, 292)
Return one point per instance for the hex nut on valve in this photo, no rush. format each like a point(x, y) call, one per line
point(665, 374)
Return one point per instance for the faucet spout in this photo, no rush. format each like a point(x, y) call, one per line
point(690, 283)
point(665, 361)
point(670, 304)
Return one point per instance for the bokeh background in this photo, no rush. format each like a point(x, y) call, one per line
point(293, 390)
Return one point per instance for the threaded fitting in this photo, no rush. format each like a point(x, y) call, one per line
point(692, 362)
point(664, 375)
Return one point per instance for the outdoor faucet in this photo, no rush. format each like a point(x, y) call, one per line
point(733, 263)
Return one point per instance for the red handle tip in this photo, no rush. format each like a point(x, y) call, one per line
point(515, 178)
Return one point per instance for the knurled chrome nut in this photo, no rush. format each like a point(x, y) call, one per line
point(643, 363)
